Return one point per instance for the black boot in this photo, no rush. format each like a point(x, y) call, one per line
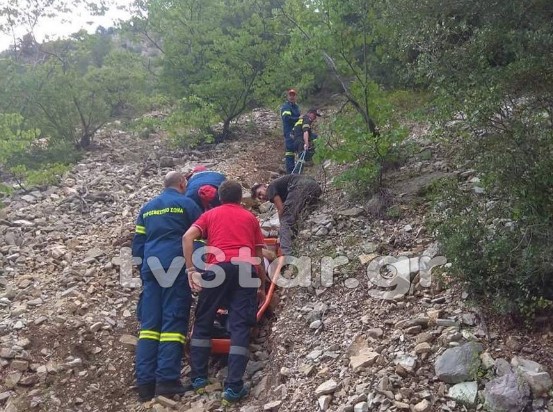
point(170, 389)
point(146, 392)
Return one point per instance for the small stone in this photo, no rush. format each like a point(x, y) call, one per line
point(487, 360)
point(326, 388)
point(315, 324)
point(129, 341)
point(96, 327)
point(272, 406)
point(168, 403)
point(375, 333)
point(361, 407)
point(365, 357)
point(423, 348)
point(324, 402)
point(402, 405)
point(20, 365)
point(422, 406)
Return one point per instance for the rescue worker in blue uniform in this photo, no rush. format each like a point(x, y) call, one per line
point(290, 114)
point(203, 186)
point(164, 306)
point(303, 134)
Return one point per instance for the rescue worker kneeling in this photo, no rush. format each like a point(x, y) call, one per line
point(235, 275)
point(164, 306)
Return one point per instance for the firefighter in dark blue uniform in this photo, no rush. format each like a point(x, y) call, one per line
point(304, 135)
point(290, 114)
point(164, 305)
point(203, 187)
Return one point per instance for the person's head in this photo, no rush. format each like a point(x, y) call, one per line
point(175, 180)
point(259, 191)
point(313, 113)
point(292, 95)
point(230, 192)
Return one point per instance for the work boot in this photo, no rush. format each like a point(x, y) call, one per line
point(146, 392)
point(169, 389)
point(230, 397)
point(199, 384)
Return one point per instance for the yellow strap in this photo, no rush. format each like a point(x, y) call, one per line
point(172, 337)
point(298, 123)
point(141, 230)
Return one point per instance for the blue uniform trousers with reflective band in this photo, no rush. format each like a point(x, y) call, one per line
point(290, 154)
point(242, 305)
point(163, 315)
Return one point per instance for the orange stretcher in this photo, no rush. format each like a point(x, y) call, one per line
point(221, 346)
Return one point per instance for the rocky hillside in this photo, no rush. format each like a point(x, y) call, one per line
point(346, 336)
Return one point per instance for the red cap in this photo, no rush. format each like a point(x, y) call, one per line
point(291, 91)
point(207, 194)
point(199, 168)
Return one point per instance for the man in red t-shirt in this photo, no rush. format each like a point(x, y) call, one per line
point(234, 249)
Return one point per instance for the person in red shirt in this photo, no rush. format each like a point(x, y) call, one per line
point(234, 265)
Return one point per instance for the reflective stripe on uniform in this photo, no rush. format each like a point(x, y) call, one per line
point(238, 350)
point(289, 153)
point(286, 112)
point(200, 343)
point(172, 337)
point(298, 123)
point(149, 334)
point(141, 230)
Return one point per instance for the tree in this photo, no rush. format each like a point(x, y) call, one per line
point(489, 66)
point(214, 56)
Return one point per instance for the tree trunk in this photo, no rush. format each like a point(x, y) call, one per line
point(85, 141)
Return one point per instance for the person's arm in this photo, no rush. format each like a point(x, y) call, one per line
point(277, 201)
point(194, 277)
point(139, 240)
point(305, 139)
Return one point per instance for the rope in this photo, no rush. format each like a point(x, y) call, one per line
point(299, 164)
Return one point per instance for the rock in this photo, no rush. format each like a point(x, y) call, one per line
point(423, 348)
point(533, 373)
point(314, 354)
point(28, 199)
point(365, 357)
point(422, 406)
point(168, 403)
point(129, 341)
point(487, 360)
point(361, 407)
point(353, 212)
point(272, 406)
point(513, 343)
point(458, 364)
point(464, 393)
point(20, 365)
point(316, 324)
point(507, 393)
point(406, 362)
point(375, 333)
point(166, 161)
point(12, 379)
point(502, 367)
point(326, 388)
point(324, 402)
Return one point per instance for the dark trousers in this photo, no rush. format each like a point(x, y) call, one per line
point(304, 192)
point(163, 314)
point(290, 152)
point(242, 305)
